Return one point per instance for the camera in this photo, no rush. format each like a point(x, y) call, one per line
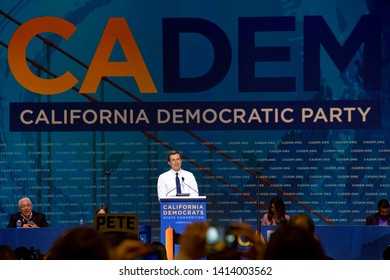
point(219, 238)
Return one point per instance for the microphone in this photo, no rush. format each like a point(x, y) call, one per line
point(259, 170)
point(182, 178)
point(170, 191)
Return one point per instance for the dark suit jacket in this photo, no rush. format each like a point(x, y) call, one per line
point(38, 218)
point(373, 220)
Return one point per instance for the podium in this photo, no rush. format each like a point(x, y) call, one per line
point(175, 214)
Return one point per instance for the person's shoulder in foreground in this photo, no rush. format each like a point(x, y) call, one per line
point(382, 216)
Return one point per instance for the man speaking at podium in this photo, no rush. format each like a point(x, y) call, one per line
point(176, 181)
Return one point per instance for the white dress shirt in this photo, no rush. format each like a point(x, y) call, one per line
point(166, 184)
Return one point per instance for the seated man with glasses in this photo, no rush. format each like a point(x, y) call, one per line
point(27, 217)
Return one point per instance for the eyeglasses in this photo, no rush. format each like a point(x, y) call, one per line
point(25, 206)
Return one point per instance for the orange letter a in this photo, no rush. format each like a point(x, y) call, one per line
point(117, 29)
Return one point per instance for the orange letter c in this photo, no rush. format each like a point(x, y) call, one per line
point(17, 51)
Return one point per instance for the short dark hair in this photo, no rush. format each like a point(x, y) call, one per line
point(383, 203)
point(6, 253)
point(80, 243)
point(173, 152)
point(290, 242)
point(303, 220)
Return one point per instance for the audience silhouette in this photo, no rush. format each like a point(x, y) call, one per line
point(6, 253)
point(80, 243)
point(290, 242)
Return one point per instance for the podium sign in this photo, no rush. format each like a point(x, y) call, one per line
point(175, 214)
point(116, 222)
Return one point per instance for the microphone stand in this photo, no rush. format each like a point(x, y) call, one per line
point(111, 165)
point(182, 178)
point(258, 172)
point(108, 186)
